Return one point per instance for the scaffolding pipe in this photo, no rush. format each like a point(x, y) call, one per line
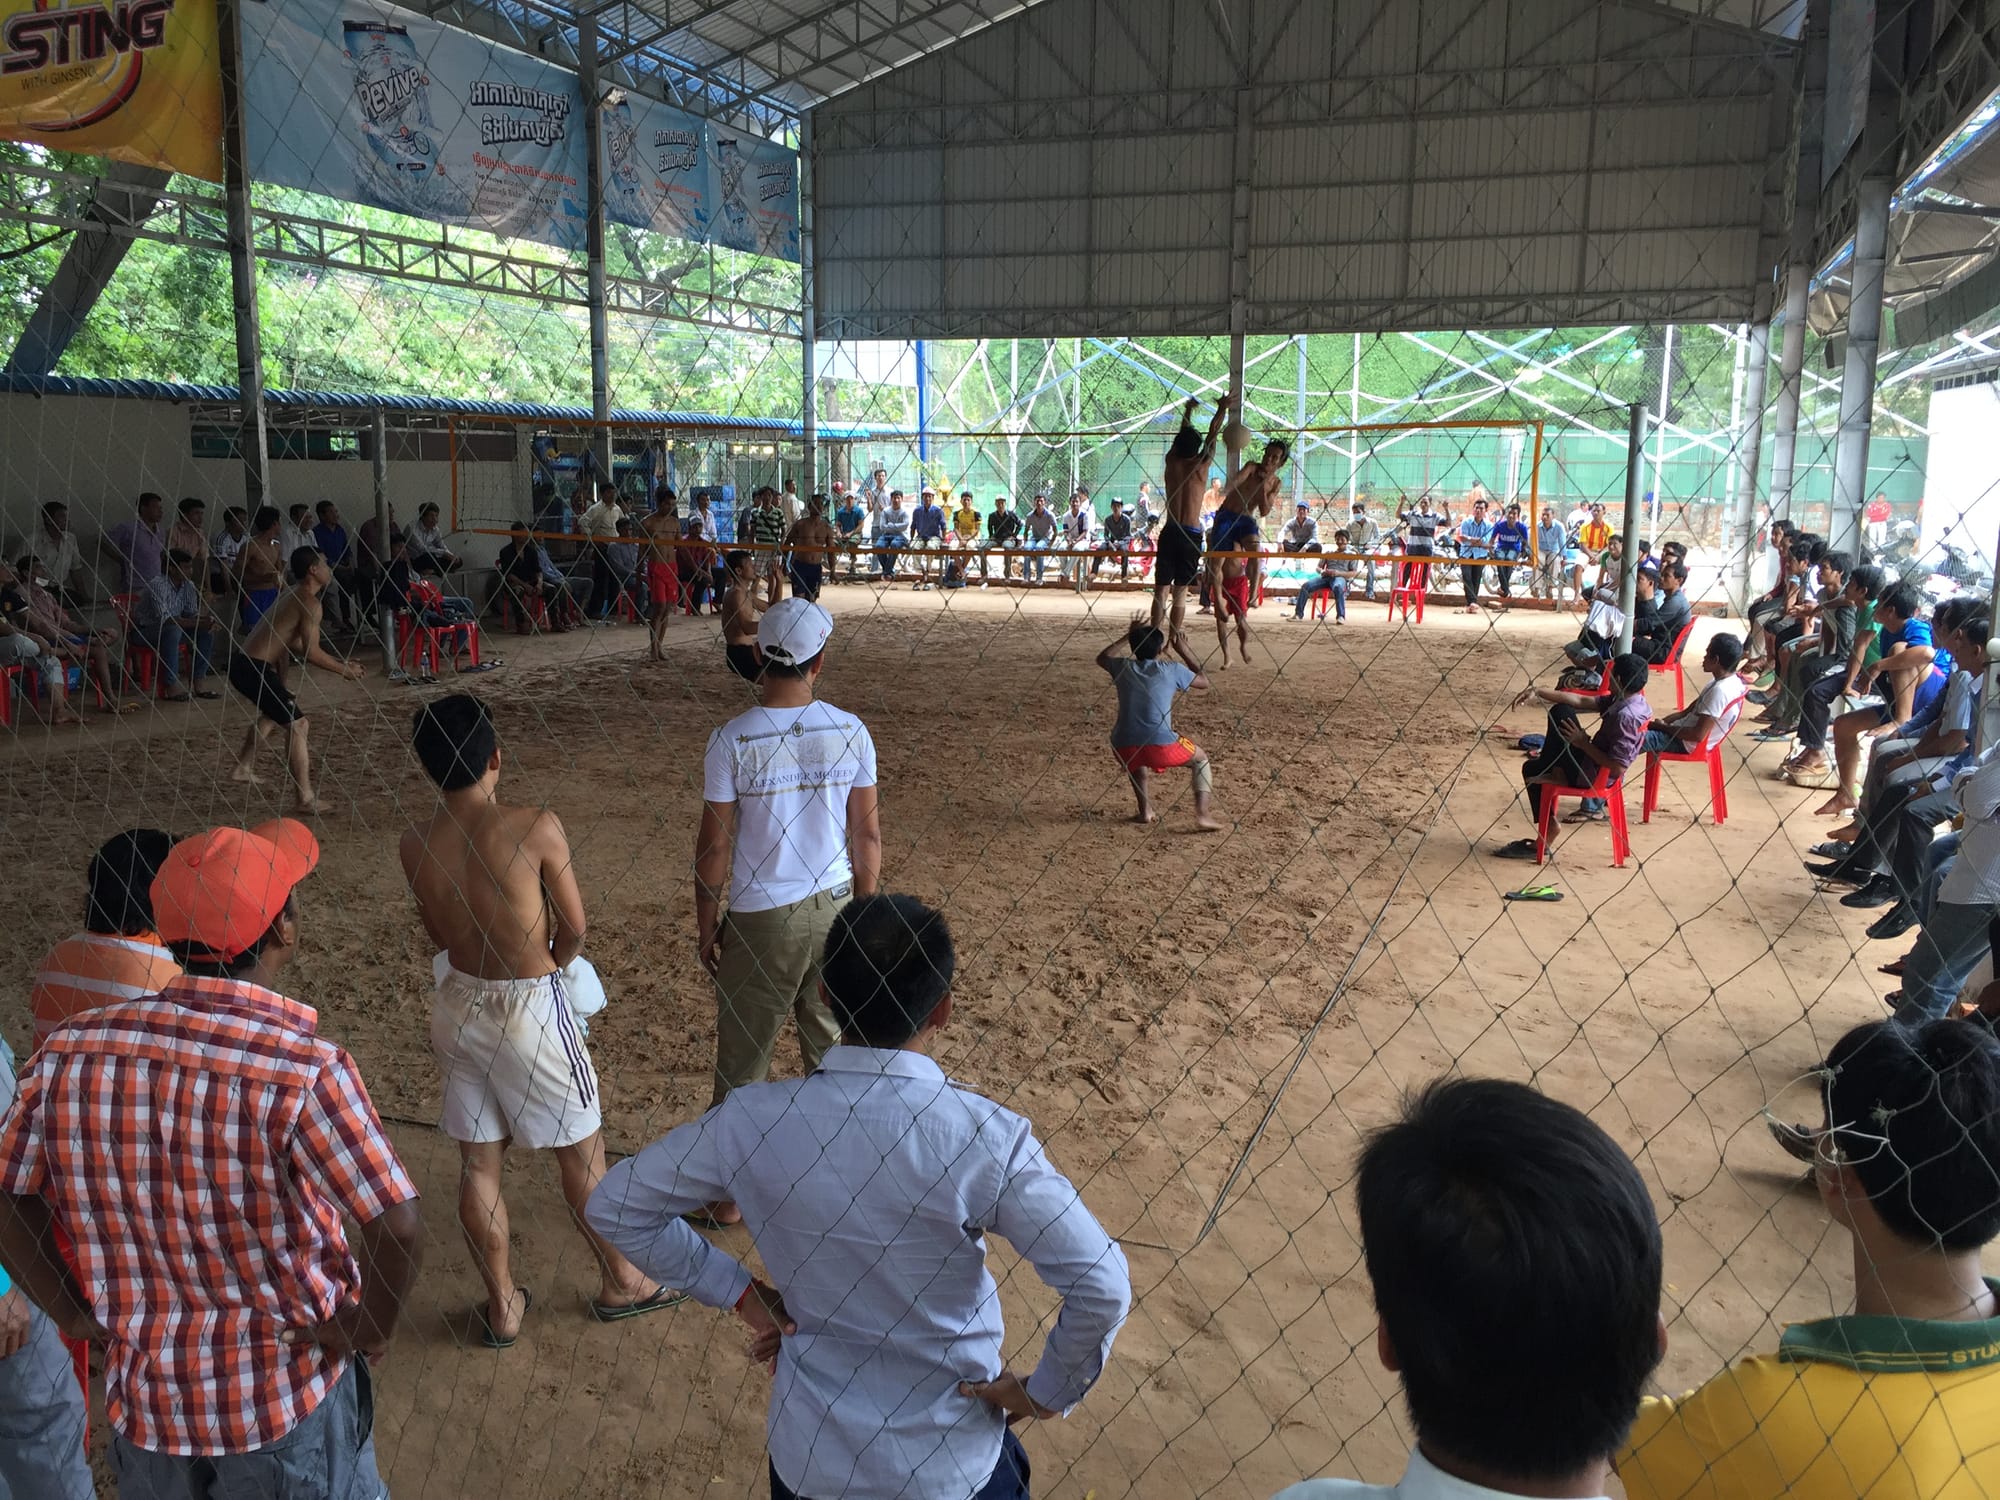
point(1736, 540)
point(251, 441)
point(923, 409)
point(1354, 420)
point(1857, 380)
point(1660, 430)
point(378, 463)
point(593, 200)
point(1298, 424)
point(808, 301)
point(1239, 278)
point(1791, 375)
point(1635, 479)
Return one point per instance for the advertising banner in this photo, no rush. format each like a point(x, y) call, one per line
point(656, 172)
point(136, 80)
point(378, 105)
point(753, 194)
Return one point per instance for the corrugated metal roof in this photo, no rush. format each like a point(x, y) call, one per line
point(361, 401)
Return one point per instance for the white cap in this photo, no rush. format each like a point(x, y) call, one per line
point(794, 631)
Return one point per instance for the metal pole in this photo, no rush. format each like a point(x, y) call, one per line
point(1791, 375)
point(923, 410)
point(1857, 380)
point(1014, 423)
point(1660, 429)
point(808, 310)
point(593, 197)
point(1239, 278)
point(1354, 419)
point(1635, 478)
point(378, 462)
point(1076, 416)
point(250, 435)
point(1299, 422)
point(1737, 535)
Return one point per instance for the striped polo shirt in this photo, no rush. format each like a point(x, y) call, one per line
point(97, 968)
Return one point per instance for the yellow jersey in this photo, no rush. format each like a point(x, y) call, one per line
point(1594, 536)
point(1849, 1408)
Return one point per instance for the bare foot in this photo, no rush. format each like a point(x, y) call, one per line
point(306, 807)
point(67, 716)
point(1207, 825)
point(1143, 817)
point(246, 774)
point(1835, 805)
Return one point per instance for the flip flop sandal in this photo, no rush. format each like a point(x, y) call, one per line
point(1533, 893)
point(208, 695)
point(493, 1340)
point(663, 1297)
point(1518, 849)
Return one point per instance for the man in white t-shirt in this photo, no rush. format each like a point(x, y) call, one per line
point(1705, 722)
point(789, 831)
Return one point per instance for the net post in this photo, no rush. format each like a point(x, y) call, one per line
point(1239, 276)
point(1736, 545)
point(250, 438)
point(593, 177)
point(378, 463)
point(1535, 503)
point(1635, 478)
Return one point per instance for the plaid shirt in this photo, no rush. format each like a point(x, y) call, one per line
point(200, 1148)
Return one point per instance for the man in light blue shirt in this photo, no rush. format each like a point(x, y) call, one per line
point(868, 1189)
point(1475, 538)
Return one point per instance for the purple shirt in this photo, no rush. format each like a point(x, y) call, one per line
point(139, 548)
point(1623, 730)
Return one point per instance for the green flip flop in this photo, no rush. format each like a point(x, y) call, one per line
point(1534, 893)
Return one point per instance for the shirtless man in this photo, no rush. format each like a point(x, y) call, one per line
point(809, 545)
point(739, 616)
point(497, 892)
point(261, 567)
point(262, 665)
point(1249, 498)
point(1178, 564)
point(661, 528)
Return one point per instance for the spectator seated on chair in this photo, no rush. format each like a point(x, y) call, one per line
point(1526, 1378)
point(1824, 647)
point(1671, 601)
point(118, 956)
point(1895, 1397)
point(1912, 672)
point(81, 649)
point(1706, 722)
point(1908, 788)
point(523, 587)
point(21, 645)
point(330, 536)
point(168, 612)
point(1334, 577)
point(1599, 637)
point(1571, 757)
point(429, 552)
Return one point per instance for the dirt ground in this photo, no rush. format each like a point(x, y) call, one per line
point(1178, 1015)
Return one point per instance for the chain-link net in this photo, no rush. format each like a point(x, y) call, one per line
point(1201, 1027)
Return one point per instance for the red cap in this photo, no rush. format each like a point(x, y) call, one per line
point(222, 890)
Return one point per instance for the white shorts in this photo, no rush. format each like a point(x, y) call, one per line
point(514, 1061)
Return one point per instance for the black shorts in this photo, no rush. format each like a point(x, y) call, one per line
point(805, 577)
point(1178, 561)
point(259, 682)
point(743, 660)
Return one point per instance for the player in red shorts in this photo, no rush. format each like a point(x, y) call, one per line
point(1230, 594)
point(663, 580)
point(1143, 739)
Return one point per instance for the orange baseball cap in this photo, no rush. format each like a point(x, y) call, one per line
point(222, 890)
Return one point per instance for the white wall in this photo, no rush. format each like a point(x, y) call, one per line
point(1962, 479)
point(98, 453)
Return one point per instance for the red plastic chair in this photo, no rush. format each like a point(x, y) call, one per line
point(10, 678)
point(142, 662)
point(1673, 664)
point(1413, 583)
point(422, 648)
point(538, 609)
point(1612, 789)
point(1712, 757)
point(1318, 604)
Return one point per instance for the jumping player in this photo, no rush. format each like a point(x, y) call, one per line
point(1143, 739)
point(1230, 594)
point(1177, 568)
point(662, 529)
point(288, 628)
point(1249, 498)
point(497, 891)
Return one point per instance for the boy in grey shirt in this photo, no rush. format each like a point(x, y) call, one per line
point(1143, 738)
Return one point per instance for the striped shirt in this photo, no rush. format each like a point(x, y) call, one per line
point(200, 1149)
point(97, 968)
